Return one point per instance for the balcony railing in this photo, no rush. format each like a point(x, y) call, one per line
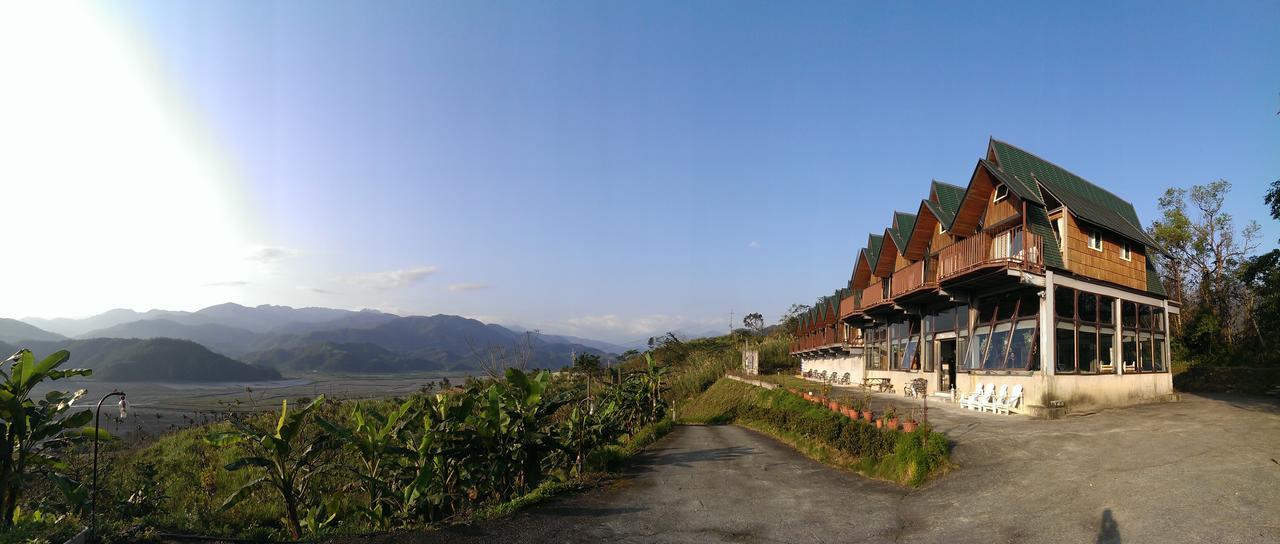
point(922, 273)
point(828, 337)
point(850, 304)
point(1013, 248)
point(873, 294)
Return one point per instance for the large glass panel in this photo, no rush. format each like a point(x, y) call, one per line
point(1159, 353)
point(1144, 352)
point(1030, 305)
point(1157, 316)
point(1106, 349)
point(1144, 317)
point(1129, 350)
point(911, 358)
point(945, 320)
point(1087, 349)
point(1106, 305)
point(962, 344)
point(1065, 339)
point(1007, 305)
point(1128, 314)
point(1020, 345)
point(962, 318)
point(1064, 299)
point(1088, 307)
point(986, 310)
point(994, 358)
point(977, 349)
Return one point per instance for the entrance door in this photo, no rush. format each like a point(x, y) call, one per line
point(947, 358)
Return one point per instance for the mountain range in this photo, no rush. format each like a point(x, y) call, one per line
point(230, 342)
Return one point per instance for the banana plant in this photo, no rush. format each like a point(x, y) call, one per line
point(376, 439)
point(288, 463)
point(444, 459)
point(32, 431)
point(587, 429)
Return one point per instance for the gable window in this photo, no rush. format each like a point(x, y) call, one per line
point(1125, 252)
point(1095, 240)
point(1002, 192)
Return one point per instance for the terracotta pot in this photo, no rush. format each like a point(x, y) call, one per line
point(880, 423)
point(892, 424)
point(909, 426)
point(866, 416)
point(833, 406)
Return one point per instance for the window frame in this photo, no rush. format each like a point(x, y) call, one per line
point(1126, 252)
point(1095, 235)
point(1000, 195)
point(1009, 326)
point(1079, 326)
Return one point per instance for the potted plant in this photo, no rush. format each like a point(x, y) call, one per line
point(880, 423)
point(855, 409)
point(909, 423)
point(866, 405)
point(891, 418)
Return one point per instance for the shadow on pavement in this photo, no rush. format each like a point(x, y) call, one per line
point(586, 512)
point(1109, 531)
point(1245, 402)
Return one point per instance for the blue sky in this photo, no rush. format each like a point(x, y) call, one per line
point(618, 169)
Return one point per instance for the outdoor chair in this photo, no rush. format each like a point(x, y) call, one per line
point(965, 399)
point(979, 398)
point(993, 401)
point(1010, 402)
point(847, 379)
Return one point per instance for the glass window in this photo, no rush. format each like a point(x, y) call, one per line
point(1144, 316)
point(962, 319)
point(1106, 305)
point(1064, 299)
point(1065, 339)
point(945, 320)
point(976, 349)
point(1005, 308)
point(1095, 240)
point(1030, 306)
point(1106, 348)
point(1159, 353)
point(1144, 352)
point(1157, 316)
point(1128, 314)
point(986, 310)
point(1129, 350)
point(994, 358)
point(1087, 349)
point(1088, 307)
point(1022, 345)
point(911, 358)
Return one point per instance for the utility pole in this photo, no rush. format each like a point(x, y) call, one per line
point(730, 322)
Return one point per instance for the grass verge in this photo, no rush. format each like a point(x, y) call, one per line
point(903, 458)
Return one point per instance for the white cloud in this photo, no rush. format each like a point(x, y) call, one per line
point(234, 283)
point(271, 254)
point(392, 279)
point(460, 287)
point(317, 290)
point(753, 244)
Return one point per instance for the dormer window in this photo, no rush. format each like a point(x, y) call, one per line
point(1095, 240)
point(1125, 252)
point(1002, 192)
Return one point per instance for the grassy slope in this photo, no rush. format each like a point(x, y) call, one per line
point(903, 458)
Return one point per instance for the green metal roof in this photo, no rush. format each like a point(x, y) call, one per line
point(949, 199)
point(1038, 222)
point(1087, 201)
point(1154, 285)
point(874, 242)
point(902, 224)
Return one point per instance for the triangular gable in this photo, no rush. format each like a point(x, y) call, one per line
point(918, 240)
point(973, 205)
point(861, 271)
point(946, 198)
point(883, 265)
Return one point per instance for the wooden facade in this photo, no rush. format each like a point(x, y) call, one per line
point(1106, 264)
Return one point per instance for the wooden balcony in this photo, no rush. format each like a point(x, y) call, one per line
point(874, 294)
point(920, 275)
point(850, 304)
point(1010, 249)
point(832, 338)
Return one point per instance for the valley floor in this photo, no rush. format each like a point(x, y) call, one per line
point(1200, 470)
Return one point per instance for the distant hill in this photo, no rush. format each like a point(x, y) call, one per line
point(332, 357)
point(446, 341)
point(364, 319)
point(259, 319)
point(13, 331)
point(220, 338)
point(157, 359)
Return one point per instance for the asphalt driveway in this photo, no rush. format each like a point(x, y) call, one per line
point(1200, 470)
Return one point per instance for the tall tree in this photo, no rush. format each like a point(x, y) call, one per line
point(755, 322)
point(1207, 251)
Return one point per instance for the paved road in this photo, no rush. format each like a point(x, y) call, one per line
point(1201, 470)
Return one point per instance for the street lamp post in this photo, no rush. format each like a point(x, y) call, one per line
point(93, 507)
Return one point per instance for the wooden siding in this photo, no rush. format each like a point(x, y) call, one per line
point(1000, 211)
point(900, 262)
point(861, 272)
point(940, 240)
point(974, 206)
point(1105, 265)
point(921, 235)
point(888, 258)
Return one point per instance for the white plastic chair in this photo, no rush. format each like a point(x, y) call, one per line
point(979, 397)
point(1011, 401)
point(965, 399)
point(992, 401)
